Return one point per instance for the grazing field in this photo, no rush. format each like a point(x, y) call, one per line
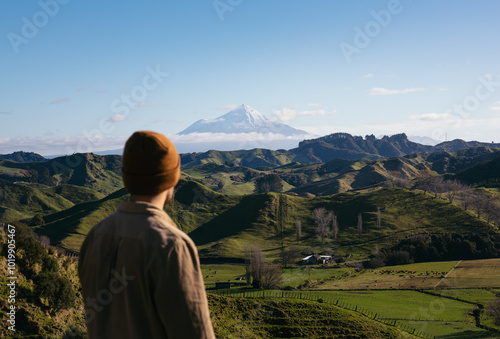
point(404, 294)
point(413, 276)
point(478, 296)
point(221, 272)
point(297, 276)
point(473, 274)
point(427, 314)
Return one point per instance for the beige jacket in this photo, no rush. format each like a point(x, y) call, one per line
point(141, 278)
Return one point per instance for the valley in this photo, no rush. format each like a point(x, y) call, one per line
point(412, 232)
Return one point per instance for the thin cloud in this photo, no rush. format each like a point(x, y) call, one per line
point(146, 104)
point(430, 116)
point(117, 117)
point(290, 114)
point(312, 104)
point(5, 113)
point(368, 76)
point(496, 106)
point(232, 137)
point(58, 101)
point(385, 91)
point(83, 88)
point(49, 145)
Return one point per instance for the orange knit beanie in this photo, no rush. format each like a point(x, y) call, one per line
point(150, 163)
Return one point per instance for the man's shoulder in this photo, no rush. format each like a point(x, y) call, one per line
point(169, 232)
point(104, 223)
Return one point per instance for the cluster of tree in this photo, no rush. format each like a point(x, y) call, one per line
point(480, 202)
point(49, 284)
point(259, 273)
point(438, 247)
point(268, 183)
point(327, 224)
point(290, 255)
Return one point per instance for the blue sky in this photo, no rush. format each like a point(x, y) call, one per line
point(83, 75)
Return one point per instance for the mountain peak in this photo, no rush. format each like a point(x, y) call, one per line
point(241, 119)
point(245, 113)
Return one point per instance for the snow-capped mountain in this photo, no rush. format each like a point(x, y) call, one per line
point(243, 119)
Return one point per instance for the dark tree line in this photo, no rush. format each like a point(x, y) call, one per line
point(439, 247)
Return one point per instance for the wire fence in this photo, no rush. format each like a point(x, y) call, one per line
point(307, 296)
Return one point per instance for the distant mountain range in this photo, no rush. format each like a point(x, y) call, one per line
point(243, 119)
point(327, 148)
point(319, 150)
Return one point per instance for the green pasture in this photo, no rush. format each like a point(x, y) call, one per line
point(213, 273)
point(293, 277)
point(427, 314)
point(416, 276)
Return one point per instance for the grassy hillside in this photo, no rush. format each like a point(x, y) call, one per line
point(20, 201)
point(248, 158)
point(101, 173)
point(225, 225)
point(486, 174)
point(75, 194)
point(194, 205)
point(403, 213)
point(68, 228)
point(288, 318)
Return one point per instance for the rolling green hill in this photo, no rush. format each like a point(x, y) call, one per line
point(67, 229)
point(339, 175)
point(193, 206)
point(403, 213)
point(101, 173)
point(21, 201)
point(22, 157)
point(224, 225)
point(486, 174)
point(288, 318)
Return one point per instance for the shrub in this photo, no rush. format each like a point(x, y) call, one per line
point(57, 290)
point(50, 264)
point(494, 310)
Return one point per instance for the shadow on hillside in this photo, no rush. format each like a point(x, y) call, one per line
point(232, 221)
point(61, 224)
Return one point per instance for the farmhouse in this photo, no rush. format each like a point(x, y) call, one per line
point(316, 259)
